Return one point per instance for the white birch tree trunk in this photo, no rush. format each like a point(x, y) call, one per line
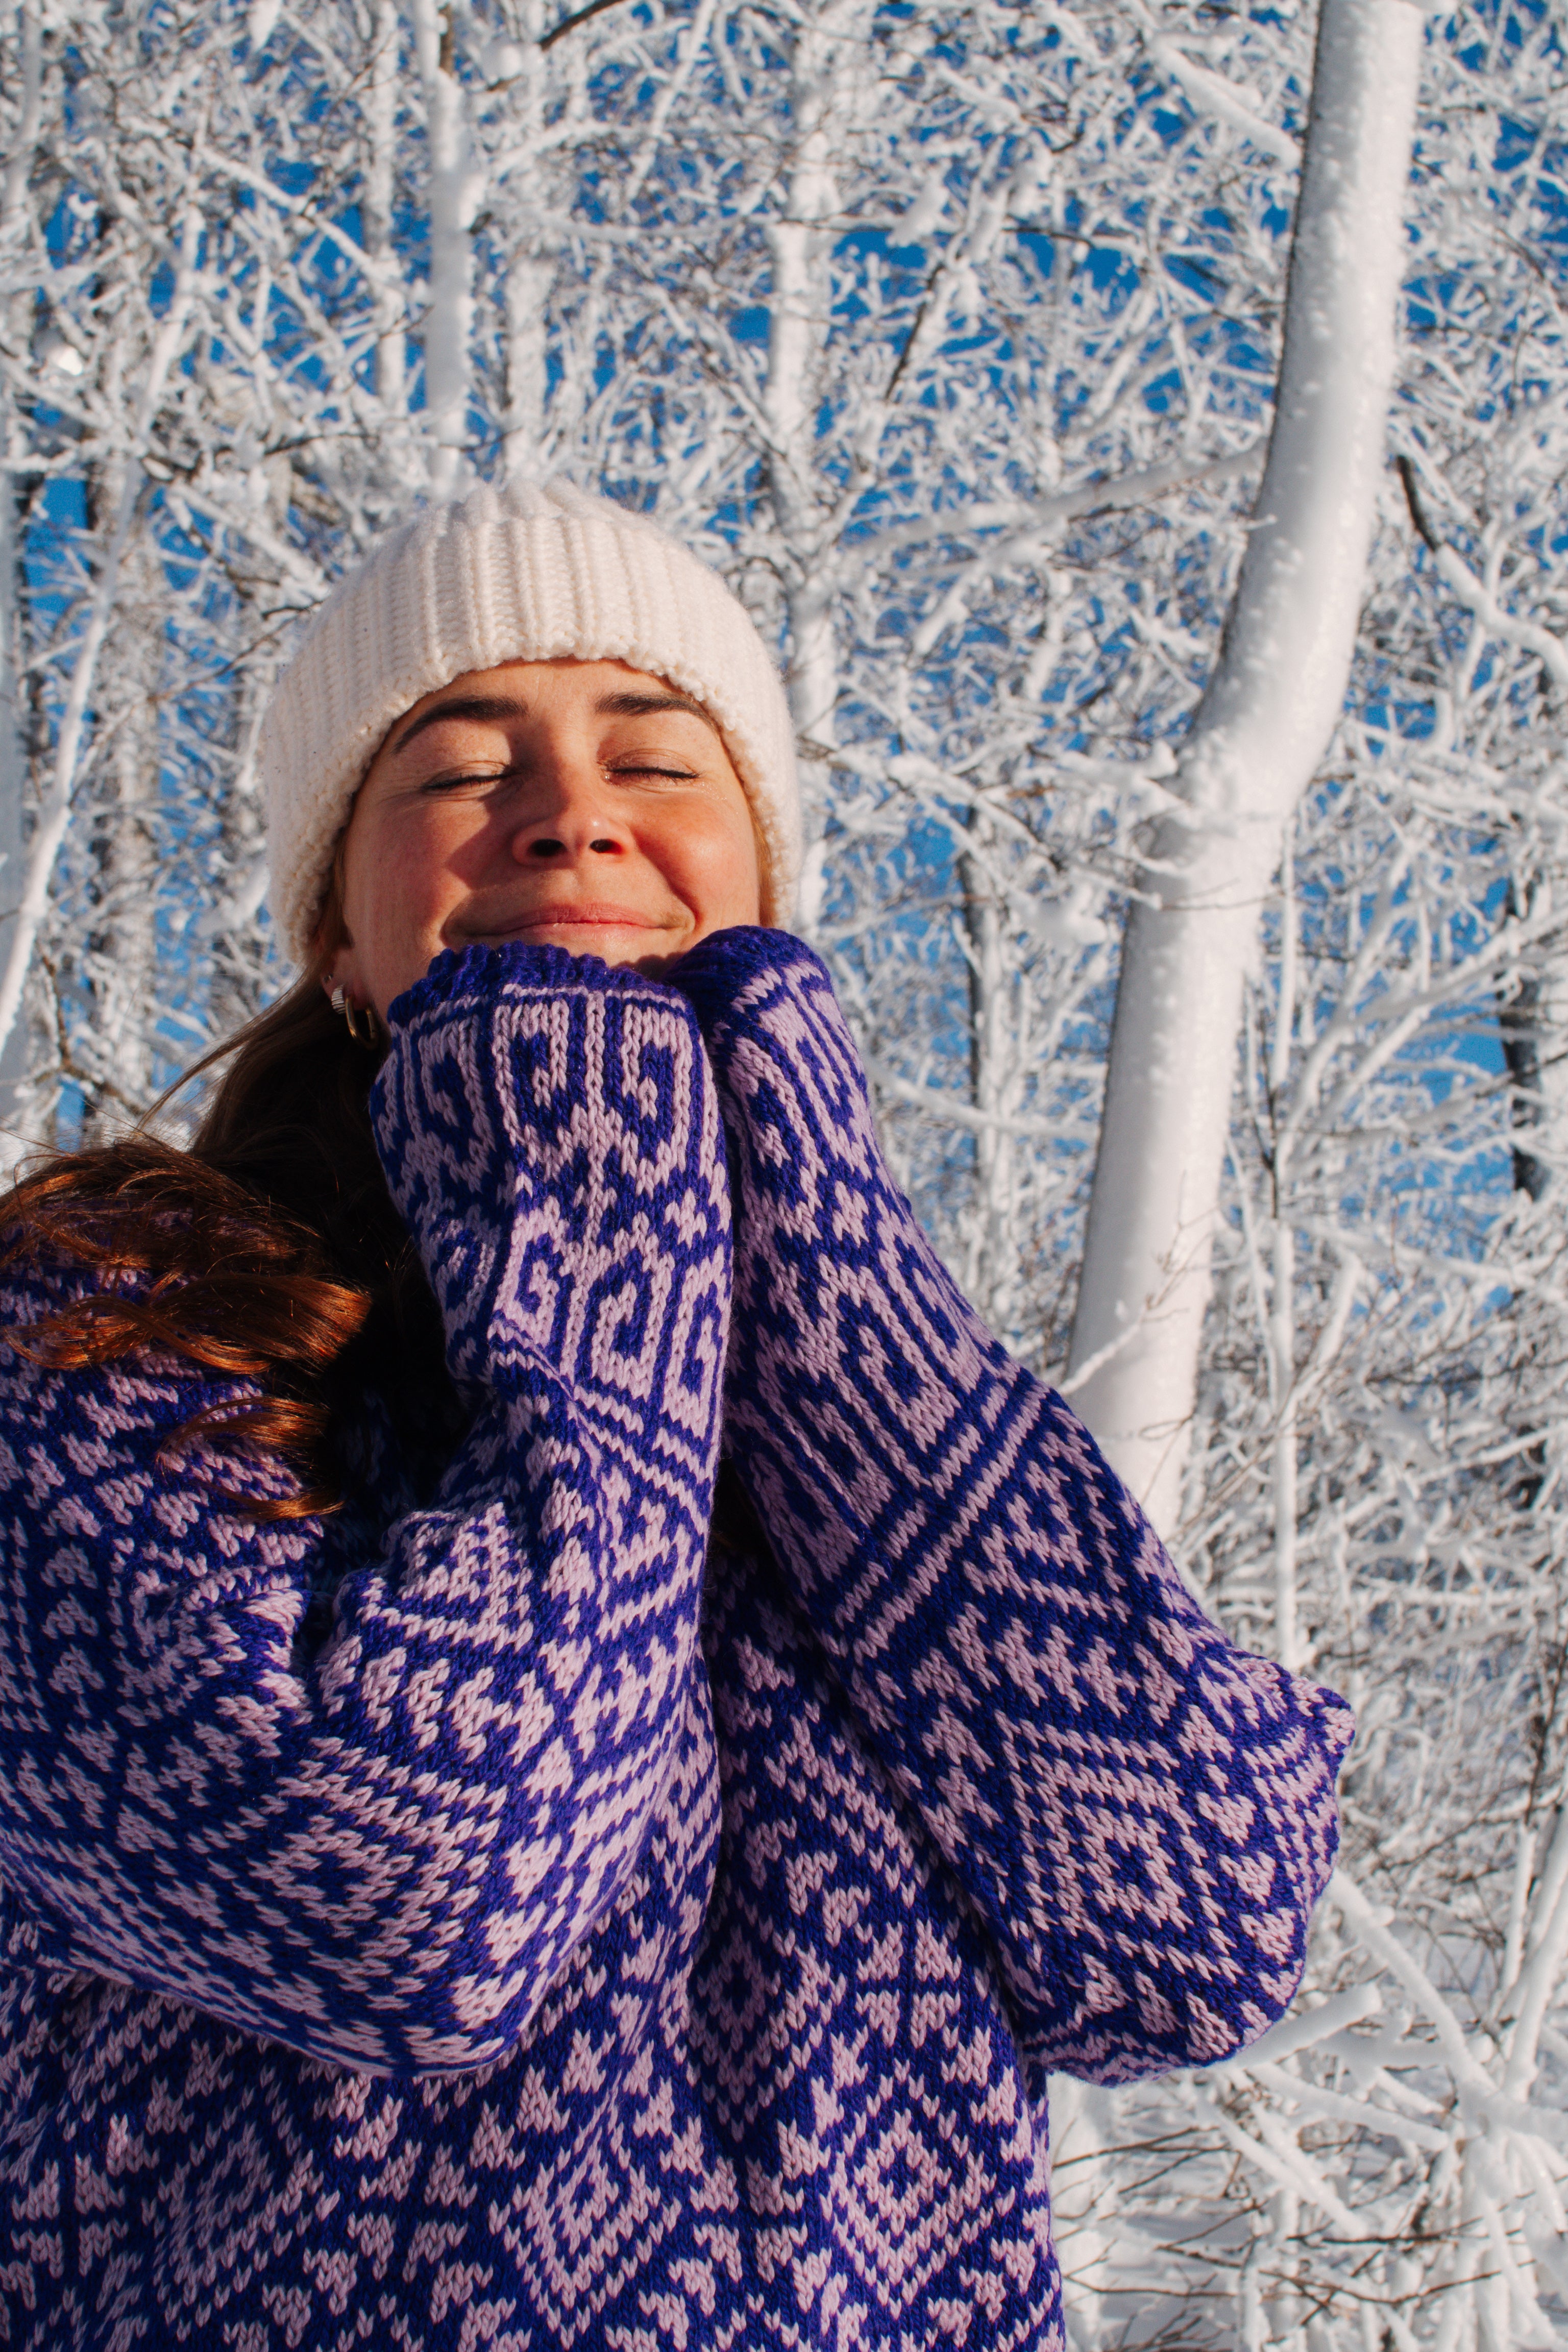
point(13, 788)
point(456, 184)
point(1260, 732)
point(797, 332)
point(999, 1046)
point(532, 262)
point(380, 201)
point(13, 226)
point(123, 950)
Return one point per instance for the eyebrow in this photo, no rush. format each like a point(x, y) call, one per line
point(490, 707)
point(638, 706)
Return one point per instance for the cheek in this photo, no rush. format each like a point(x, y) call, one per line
point(712, 863)
point(367, 880)
point(745, 889)
point(399, 880)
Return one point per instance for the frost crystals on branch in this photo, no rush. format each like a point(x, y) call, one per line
point(951, 333)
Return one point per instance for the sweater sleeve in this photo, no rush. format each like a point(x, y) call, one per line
point(1141, 1815)
point(382, 1855)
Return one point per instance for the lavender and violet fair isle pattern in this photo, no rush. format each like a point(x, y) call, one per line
point(600, 1938)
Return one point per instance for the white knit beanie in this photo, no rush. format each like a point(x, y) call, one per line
point(533, 572)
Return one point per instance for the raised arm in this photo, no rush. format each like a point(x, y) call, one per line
point(383, 1857)
point(1141, 1815)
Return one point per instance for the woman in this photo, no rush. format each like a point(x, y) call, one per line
point(575, 1737)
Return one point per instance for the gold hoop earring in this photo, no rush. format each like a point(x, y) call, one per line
point(352, 1014)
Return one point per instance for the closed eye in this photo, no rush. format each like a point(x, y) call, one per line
point(467, 783)
point(628, 768)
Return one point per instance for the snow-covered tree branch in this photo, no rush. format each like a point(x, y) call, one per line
point(1174, 613)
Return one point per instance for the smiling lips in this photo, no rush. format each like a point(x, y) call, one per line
point(588, 914)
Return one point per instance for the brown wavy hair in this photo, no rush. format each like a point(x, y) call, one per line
point(274, 1251)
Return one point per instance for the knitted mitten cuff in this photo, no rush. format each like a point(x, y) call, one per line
point(550, 1137)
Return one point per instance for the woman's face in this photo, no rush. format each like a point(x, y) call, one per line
point(581, 803)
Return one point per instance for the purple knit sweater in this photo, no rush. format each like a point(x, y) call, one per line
point(579, 1934)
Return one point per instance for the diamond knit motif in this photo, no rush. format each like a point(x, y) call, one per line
point(1142, 1816)
point(398, 1849)
point(846, 2020)
point(604, 1941)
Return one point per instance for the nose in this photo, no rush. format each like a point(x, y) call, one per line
point(569, 821)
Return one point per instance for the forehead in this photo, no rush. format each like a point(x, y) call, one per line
point(514, 690)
